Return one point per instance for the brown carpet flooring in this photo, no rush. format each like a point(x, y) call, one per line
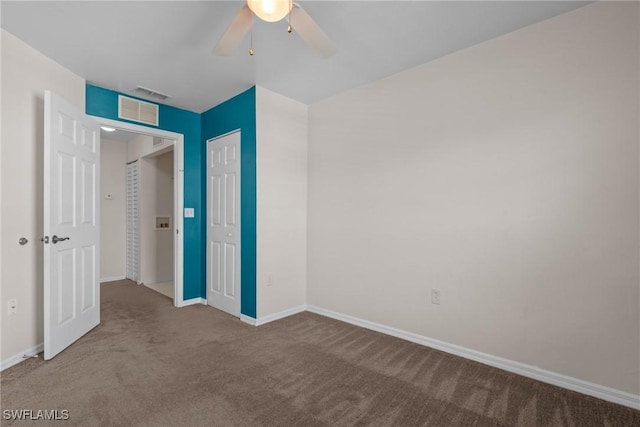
point(150, 364)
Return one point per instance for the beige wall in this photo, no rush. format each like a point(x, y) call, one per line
point(26, 74)
point(504, 175)
point(156, 199)
point(281, 129)
point(113, 214)
point(142, 145)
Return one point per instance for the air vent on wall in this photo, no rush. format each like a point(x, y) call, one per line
point(137, 111)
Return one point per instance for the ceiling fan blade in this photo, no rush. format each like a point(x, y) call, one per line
point(235, 33)
point(310, 32)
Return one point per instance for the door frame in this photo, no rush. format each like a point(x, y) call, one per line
point(206, 201)
point(178, 195)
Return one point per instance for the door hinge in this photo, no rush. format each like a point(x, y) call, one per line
point(45, 240)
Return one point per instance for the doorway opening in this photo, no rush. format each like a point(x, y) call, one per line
point(142, 229)
point(156, 231)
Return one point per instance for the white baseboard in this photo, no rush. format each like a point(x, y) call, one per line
point(193, 301)
point(280, 315)
point(273, 317)
point(249, 320)
point(14, 360)
point(112, 279)
point(560, 380)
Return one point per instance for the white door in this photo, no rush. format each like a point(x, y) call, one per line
point(71, 224)
point(133, 241)
point(223, 223)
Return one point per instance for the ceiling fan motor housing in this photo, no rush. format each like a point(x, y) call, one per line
point(270, 10)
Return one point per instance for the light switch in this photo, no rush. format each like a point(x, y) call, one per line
point(189, 212)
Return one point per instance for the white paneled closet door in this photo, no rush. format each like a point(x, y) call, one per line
point(133, 231)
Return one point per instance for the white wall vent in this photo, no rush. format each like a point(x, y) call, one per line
point(137, 111)
point(150, 93)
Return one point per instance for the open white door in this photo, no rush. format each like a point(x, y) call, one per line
point(71, 224)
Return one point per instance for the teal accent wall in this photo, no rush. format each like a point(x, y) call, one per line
point(238, 113)
point(104, 103)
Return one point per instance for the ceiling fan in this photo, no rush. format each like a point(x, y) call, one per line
point(274, 11)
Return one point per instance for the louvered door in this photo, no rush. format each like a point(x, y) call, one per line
point(133, 231)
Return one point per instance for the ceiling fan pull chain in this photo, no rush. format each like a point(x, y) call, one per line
point(305, 26)
point(251, 47)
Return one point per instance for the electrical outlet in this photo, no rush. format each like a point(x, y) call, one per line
point(435, 296)
point(12, 307)
point(269, 280)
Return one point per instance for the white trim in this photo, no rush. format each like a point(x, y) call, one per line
point(20, 357)
point(193, 301)
point(178, 165)
point(273, 317)
point(222, 135)
point(280, 315)
point(178, 214)
point(534, 372)
point(250, 320)
point(112, 279)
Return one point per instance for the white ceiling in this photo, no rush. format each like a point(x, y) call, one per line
point(167, 45)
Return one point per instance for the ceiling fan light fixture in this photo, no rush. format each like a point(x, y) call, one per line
point(270, 10)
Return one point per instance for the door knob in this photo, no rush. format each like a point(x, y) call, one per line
point(55, 239)
point(23, 241)
point(229, 234)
